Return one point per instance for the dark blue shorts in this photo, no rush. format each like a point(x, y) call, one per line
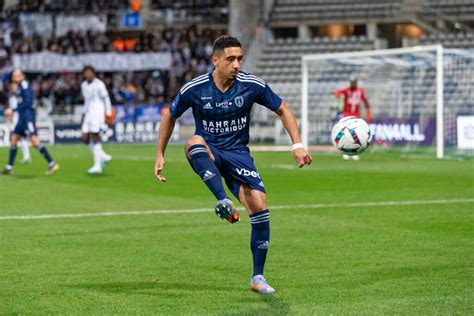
point(25, 127)
point(237, 167)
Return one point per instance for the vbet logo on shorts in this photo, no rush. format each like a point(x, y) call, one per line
point(247, 173)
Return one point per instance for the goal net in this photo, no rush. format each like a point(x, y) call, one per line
point(422, 98)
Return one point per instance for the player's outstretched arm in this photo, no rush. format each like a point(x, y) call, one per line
point(164, 134)
point(301, 155)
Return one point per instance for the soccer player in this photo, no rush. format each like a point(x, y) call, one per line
point(12, 116)
point(26, 125)
point(97, 111)
point(221, 102)
point(353, 95)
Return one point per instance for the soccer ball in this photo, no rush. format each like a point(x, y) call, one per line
point(351, 135)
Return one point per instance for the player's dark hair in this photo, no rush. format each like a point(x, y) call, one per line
point(225, 41)
point(88, 67)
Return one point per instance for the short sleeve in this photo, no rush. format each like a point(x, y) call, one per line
point(268, 98)
point(178, 106)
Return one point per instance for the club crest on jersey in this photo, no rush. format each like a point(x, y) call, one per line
point(239, 101)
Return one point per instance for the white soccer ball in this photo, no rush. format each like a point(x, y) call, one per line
point(351, 135)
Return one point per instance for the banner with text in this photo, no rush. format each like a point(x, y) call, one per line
point(133, 124)
point(416, 131)
point(465, 132)
point(32, 23)
point(111, 62)
point(83, 23)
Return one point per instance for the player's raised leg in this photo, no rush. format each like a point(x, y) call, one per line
point(255, 203)
point(201, 159)
point(52, 165)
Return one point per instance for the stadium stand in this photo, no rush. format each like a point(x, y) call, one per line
point(279, 61)
point(460, 9)
point(191, 11)
point(450, 40)
point(299, 11)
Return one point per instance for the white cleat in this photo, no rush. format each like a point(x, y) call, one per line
point(346, 157)
point(95, 170)
point(356, 158)
point(260, 285)
point(106, 159)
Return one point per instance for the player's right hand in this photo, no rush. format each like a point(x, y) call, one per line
point(302, 157)
point(159, 165)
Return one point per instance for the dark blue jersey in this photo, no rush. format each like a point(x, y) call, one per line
point(223, 118)
point(25, 99)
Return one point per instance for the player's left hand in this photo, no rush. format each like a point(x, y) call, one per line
point(159, 165)
point(110, 117)
point(302, 157)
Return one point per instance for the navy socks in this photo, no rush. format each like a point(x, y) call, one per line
point(42, 150)
point(259, 239)
point(45, 154)
point(12, 155)
point(207, 170)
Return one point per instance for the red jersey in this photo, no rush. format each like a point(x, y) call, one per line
point(352, 100)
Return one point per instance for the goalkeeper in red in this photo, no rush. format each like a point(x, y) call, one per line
point(353, 97)
point(221, 102)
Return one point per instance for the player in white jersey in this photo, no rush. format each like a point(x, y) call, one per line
point(97, 114)
point(12, 114)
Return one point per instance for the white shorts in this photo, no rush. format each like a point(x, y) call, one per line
point(93, 123)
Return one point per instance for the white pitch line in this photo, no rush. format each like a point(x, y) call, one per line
point(201, 210)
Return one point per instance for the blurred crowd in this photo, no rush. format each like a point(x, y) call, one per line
point(190, 48)
point(68, 6)
point(76, 42)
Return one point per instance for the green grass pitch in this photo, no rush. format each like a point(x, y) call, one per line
point(327, 256)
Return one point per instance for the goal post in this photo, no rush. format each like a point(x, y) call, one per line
point(406, 89)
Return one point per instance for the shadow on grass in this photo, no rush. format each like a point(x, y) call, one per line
point(24, 176)
point(99, 175)
point(151, 288)
point(274, 306)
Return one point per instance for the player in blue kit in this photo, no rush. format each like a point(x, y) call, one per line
point(26, 125)
point(221, 102)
